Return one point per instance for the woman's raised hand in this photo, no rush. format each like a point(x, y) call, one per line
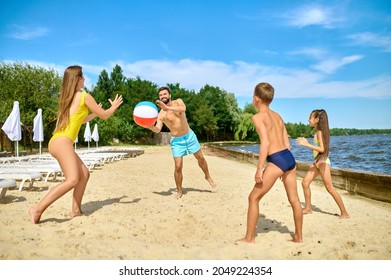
point(117, 101)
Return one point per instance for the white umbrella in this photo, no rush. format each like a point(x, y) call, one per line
point(38, 129)
point(76, 140)
point(12, 126)
point(87, 134)
point(95, 134)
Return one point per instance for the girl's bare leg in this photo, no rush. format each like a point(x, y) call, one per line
point(326, 176)
point(62, 149)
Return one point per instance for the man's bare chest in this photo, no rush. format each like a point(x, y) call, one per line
point(170, 116)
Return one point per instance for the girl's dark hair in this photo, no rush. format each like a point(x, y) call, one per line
point(323, 125)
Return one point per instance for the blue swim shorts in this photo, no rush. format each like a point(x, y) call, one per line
point(184, 145)
point(283, 159)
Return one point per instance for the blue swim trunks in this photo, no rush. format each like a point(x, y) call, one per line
point(283, 159)
point(183, 145)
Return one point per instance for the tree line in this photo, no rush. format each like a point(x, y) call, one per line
point(213, 113)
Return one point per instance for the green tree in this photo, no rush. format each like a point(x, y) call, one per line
point(250, 108)
point(233, 111)
point(103, 90)
point(245, 126)
point(217, 101)
point(33, 87)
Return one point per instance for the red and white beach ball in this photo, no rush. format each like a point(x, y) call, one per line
point(145, 113)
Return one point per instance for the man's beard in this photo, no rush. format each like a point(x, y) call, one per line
point(165, 100)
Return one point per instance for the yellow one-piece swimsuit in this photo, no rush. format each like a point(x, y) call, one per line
point(75, 122)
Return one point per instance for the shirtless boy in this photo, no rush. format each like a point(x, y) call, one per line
point(275, 153)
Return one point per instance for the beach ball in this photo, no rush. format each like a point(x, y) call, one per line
point(145, 113)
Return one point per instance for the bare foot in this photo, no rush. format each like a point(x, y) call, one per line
point(211, 182)
point(296, 240)
point(34, 217)
point(179, 194)
point(344, 216)
point(73, 215)
point(245, 240)
point(307, 211)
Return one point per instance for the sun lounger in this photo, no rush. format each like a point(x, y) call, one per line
point(98, 157)
point(90, 163)
point(21, 175)
point(47, 169)
point(129, 151)
point(104, 157)
point(4, 160)
point(5, 184)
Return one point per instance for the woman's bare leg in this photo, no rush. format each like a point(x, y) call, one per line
point(79, 189)
point(62, 149)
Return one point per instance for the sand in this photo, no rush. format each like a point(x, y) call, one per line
point(131, 213)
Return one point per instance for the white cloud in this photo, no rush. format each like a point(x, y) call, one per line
point(331, 65)
point(317, 53)
point(241, 77)
point(303, 16)
point(25, 33)
point(373, 40)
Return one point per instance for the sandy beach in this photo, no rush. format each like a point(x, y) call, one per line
point(131, 213)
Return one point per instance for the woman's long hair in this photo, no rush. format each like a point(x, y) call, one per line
point(68, 89)
point(323, 125)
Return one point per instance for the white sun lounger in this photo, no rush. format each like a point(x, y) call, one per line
point(97, 157)
point(5, 184)
point(21, 175)
point(46, 169)
point(90, 163)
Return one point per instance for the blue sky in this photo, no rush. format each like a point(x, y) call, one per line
point(334, 55)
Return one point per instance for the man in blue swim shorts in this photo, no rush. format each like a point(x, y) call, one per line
point(183, 139)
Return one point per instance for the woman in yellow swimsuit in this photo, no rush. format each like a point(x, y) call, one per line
point(74, 106)
point(321, 164)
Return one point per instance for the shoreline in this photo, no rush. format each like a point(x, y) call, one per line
point(131, 213)
point(368, 184)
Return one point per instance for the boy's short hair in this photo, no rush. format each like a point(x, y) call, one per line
point(164, 88)
point(265, 92)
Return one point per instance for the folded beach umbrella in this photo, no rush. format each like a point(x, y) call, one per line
point(87, 134)
point(12, 126)
point(38, 129)
point(95, 134)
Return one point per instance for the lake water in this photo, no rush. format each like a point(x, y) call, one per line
point(369, 153)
